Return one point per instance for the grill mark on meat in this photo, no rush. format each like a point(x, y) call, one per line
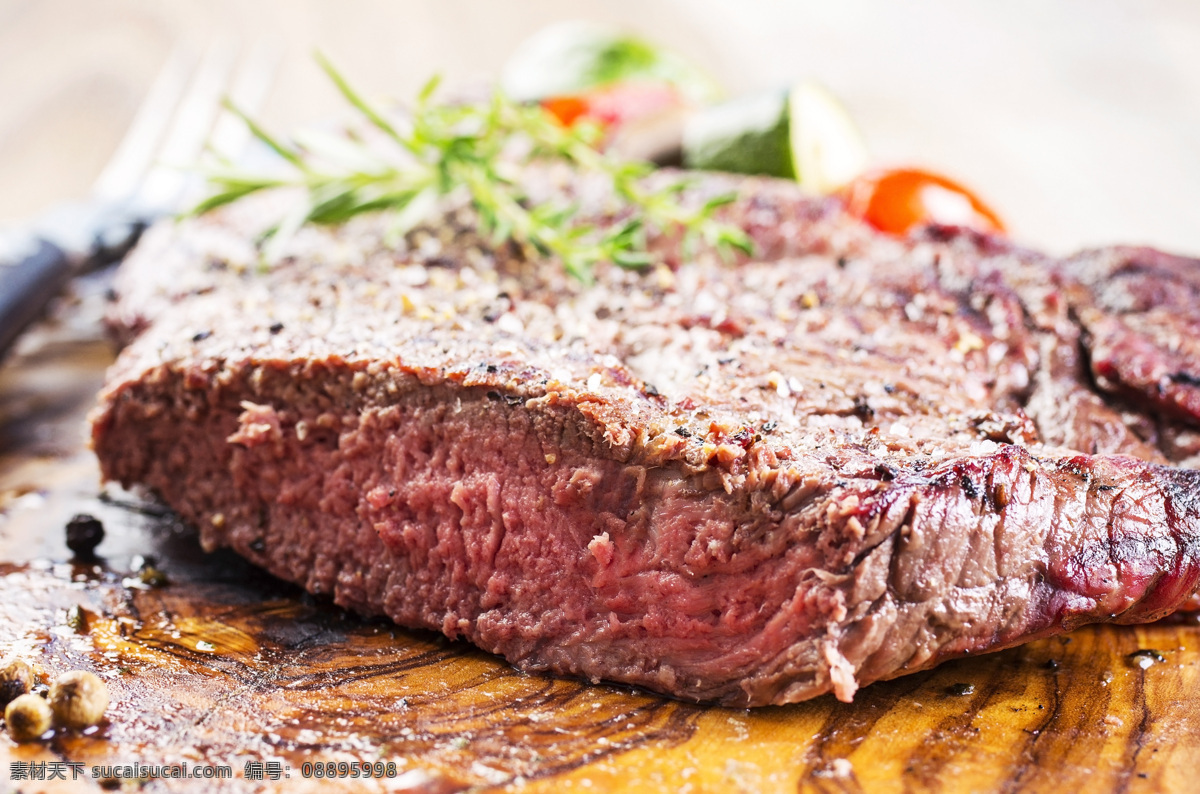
point(968, 486)
point(1139, 310)
point(1084, 288)
point(1186, 378)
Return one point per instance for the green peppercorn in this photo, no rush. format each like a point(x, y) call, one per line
point(78, 699)
point(16, 679)
point(27, 718)
point(152, 577)
point(76, 619)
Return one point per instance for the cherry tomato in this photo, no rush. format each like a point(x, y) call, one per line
point(902, 199)
point(567, 109)
point(613, 105)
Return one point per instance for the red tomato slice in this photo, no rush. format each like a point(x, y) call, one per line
point(614, 105)
point(902, 199)
point(567, 109)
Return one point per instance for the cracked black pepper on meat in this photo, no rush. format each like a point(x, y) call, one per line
point(849, 458)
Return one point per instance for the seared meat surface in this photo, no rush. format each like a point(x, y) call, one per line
point(743, 483)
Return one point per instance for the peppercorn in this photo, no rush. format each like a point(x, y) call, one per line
point(152, 577)
point(84, 533)
point(78, 699)
point(27, 718)
point(16, 679)
point(76, 618)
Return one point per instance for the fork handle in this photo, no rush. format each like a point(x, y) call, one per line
point(66, 241)
point(28, 284)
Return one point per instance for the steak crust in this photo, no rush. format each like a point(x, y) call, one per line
point(848, 459)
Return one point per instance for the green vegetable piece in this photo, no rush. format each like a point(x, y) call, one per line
point(453, 148)
point(747, 135)
point(801, 133)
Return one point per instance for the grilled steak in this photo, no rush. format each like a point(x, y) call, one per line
point(849, 459)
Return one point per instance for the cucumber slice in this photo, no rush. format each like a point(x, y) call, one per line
point(802, 133)
point(746, 135)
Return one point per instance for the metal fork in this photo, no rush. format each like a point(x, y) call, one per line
point(149, 175)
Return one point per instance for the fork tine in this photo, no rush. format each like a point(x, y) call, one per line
point(132, 191)
point(132, 157)
point(249, 90)
point(194, 117)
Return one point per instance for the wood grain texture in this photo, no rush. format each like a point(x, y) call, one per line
point(225, 665)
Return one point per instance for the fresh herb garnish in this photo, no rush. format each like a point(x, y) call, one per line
point(447, 149)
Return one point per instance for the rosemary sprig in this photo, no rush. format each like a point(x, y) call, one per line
point(476, 149)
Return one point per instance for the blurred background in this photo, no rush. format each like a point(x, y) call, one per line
point(1078, 120)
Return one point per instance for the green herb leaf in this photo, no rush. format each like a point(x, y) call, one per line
point(477, 149)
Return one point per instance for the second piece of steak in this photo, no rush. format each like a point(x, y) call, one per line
point(743, 485)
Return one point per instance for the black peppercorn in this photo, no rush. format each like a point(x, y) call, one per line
point(84, 533)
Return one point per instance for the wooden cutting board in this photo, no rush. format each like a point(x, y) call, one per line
point(226, 666)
